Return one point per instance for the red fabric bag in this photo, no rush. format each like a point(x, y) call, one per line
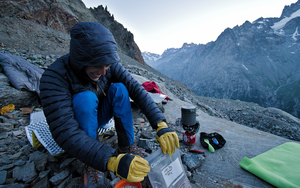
point(151, 87)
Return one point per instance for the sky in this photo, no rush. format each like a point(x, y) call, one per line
point(161, 24)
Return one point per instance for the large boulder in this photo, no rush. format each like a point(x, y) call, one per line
point(10, 95)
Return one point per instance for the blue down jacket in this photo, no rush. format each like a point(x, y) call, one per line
point(91, 45)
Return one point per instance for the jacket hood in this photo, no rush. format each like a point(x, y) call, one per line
point(91, 44)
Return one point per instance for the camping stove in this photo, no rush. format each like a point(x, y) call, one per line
point(189, 124)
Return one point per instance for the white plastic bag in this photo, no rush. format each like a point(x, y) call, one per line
point(167, 171)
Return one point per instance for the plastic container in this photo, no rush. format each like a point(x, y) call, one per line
point(167, 171)
point(125, 184)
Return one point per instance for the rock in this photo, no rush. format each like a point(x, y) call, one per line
point(139, 121)
point(4, 129)
point(3, 175)
point(17, 133)
point(3, 135)
point(19, 162)
point(15, 156)
point(44, 182)
point(161, 107)
point(10, 95)
point(65, 182)
point(6, 167)
point(147, 134)
point(193, 160)
point(44, 174)
point(40, 160)
point(145, 144)
point(77, 166)
point(26, 110)
point(66, 163)
point(25, 173)
point(58, 178)
point(4, 160)
point(7, 125)
point(75, 183)
point(114, 182)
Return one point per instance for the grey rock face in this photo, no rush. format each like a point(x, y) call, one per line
point(43, 26)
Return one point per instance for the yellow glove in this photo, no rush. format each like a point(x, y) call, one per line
point(130, 167)
point(167, 138)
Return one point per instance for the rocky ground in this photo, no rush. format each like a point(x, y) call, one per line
point(24, 166)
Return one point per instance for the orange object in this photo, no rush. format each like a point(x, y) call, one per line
point(27, 110)
point(124, 183)
point(7, 108)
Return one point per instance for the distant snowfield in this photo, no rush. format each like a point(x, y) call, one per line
point(151, 56)
point(281, 23)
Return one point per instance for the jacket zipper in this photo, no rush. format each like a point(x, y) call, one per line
point(101, 90)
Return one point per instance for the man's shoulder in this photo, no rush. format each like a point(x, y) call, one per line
point(58, 70)
point(60, 65)
point(60, 62)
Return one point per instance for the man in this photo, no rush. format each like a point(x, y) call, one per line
point(84, 89)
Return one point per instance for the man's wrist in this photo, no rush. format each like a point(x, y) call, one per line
point(161, 125)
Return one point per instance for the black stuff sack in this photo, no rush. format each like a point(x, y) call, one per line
point(215, 139)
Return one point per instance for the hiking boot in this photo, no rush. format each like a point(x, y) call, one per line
point(133, 149)
point(93, 178)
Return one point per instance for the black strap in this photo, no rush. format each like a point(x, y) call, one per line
point(163, 131)
point(124, 165)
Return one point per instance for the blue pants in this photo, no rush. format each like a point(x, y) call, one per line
point(92, 113)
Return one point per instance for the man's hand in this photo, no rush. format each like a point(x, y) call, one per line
point(167, 138)
point(130, 167)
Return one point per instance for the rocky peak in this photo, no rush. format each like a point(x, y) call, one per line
point(56, 18)
point(169, 51)
point(289, 10)
point(187, 45)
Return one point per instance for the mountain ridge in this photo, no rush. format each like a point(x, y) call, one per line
point(254, 62)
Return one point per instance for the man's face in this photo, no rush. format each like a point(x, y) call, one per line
point(95, 73)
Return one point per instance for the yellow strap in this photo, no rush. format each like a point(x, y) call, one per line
point(161, 125)
point(35, 142)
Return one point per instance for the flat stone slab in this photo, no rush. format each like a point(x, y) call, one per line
point(222, 166)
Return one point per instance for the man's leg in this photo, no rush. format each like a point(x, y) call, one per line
point(117, 104)
point(85, 105)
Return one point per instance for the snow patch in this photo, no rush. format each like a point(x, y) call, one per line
point(296, 34)
point(245, 67)
point(150, 56)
